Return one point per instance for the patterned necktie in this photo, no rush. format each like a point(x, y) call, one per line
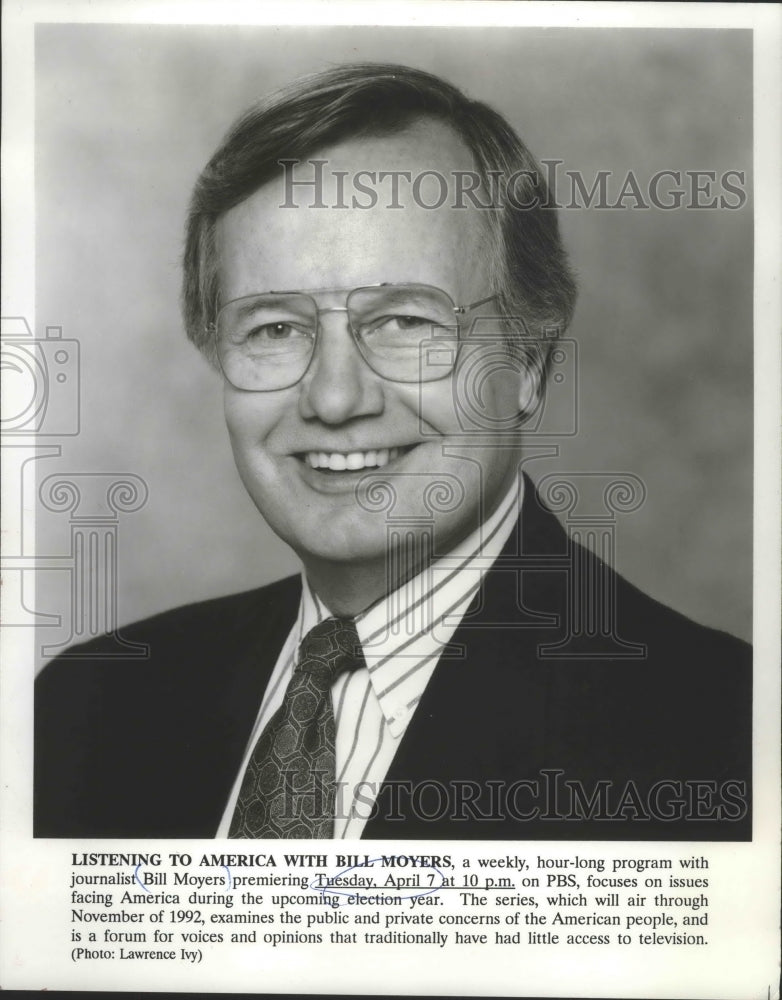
point(288, 789)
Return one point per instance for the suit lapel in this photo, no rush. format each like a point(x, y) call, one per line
point(485, 711)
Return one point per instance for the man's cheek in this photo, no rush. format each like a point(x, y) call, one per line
point(436, 408)
point(252, 415)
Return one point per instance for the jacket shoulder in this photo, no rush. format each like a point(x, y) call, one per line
point(148, 744)
point(596, 585)
point(190, 625)
point(674, 634)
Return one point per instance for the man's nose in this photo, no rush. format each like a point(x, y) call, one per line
point(339, 384)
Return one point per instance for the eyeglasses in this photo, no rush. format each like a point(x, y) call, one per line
point(405, 333)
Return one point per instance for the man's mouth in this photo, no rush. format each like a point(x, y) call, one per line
point(353, 461)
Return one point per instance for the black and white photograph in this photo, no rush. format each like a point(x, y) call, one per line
point(385, 467)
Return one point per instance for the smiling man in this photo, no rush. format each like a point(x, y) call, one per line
point(374, 267)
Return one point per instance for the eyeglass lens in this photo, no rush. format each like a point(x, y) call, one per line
point(406, 333)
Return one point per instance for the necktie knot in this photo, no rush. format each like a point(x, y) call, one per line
point(329, 649)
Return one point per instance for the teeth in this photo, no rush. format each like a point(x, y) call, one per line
point(351, 461)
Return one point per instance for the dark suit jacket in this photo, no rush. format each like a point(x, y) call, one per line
point(515, 736)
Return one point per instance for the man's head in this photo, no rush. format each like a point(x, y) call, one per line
point(528, 260)
point(353, 400)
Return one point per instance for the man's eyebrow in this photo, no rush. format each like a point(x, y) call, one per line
point(248, 304)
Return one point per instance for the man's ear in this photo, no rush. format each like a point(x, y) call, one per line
point(532, 376)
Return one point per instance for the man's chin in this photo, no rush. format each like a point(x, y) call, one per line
point(374, 543)
point(360, 555)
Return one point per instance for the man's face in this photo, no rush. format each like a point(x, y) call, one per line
point(341, 408)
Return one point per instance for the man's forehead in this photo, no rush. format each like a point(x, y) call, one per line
point(365, 209)
point(424, 166)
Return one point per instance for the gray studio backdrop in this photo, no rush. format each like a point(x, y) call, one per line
point(127, 115)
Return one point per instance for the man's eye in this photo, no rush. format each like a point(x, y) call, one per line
point(411, 322)
point(274, 332)
point(399, 324)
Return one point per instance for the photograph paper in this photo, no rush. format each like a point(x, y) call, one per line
point(451, 536)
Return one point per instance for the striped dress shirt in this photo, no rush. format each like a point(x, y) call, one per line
point(402, 636)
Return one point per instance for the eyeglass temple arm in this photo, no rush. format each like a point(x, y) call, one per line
point(461, 310)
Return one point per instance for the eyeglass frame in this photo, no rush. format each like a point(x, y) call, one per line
point(211, 328)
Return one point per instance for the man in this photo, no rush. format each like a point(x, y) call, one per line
point(374, 266)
